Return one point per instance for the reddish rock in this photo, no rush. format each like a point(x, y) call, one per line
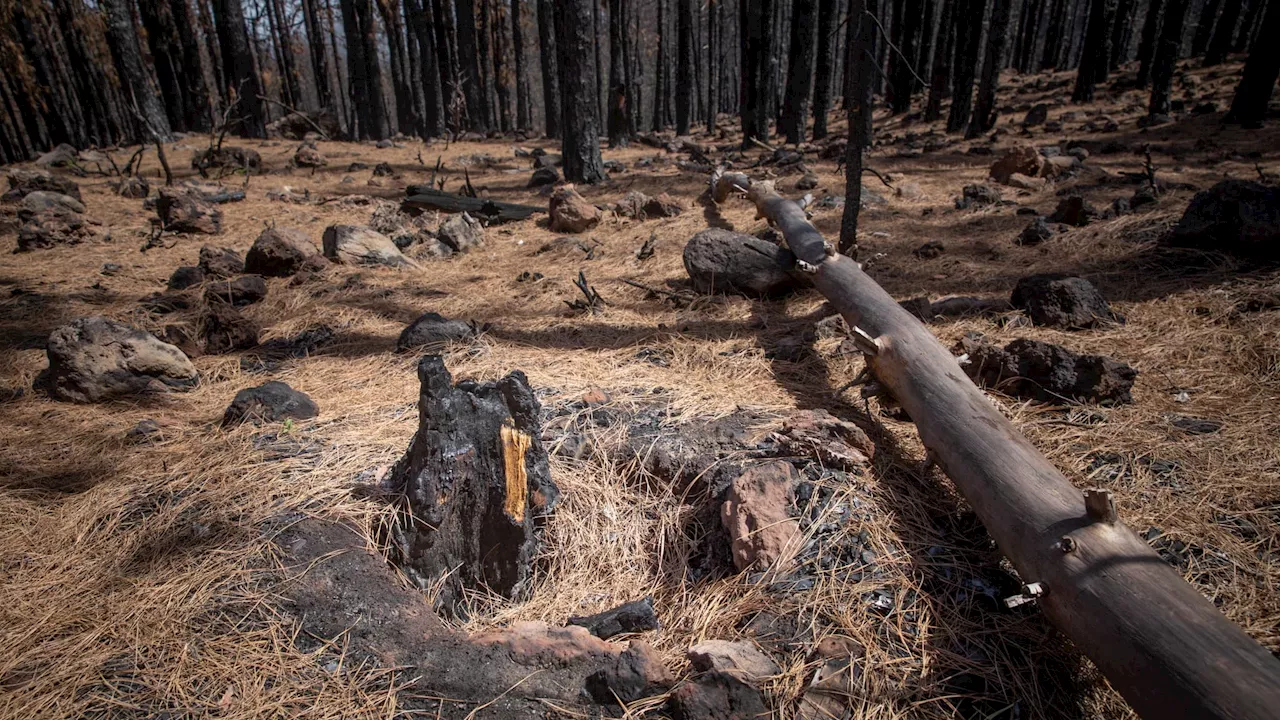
point(826, 438)
point(636, 673)
point(739, 659)
point(756, 512)
point(570, 212)
point(1023, 159)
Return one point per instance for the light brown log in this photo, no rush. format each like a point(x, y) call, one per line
point(1162, 645)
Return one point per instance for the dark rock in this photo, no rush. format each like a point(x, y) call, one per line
point(186, 212)
point(1037, 115)
point(1074, 210)
point(547, 160)
point(63, 155)
point(23, 182)
point(244, 290)
point(1205, 108)
point(42, 201)
point(544, 176)
point(51, 229)
point(270, 355)
point(186, 276)
point(227, 156)
point(1055, 300)
point(1079, 153)
point(357, 167)
point(808, 181)
point(220, 262)
point(95, 359)
point(1143, 196)
point(461, 232)
point(280, 252)
point(477, 486)
point(638, 206)
point(360, 245)
point(111, 269)
point(1035, 233)
point(928, 251)
point(167, 302)
point(432, 332)
point(1021, 160)
point(636, 673)
point(716, 696)
point(1120, 206)
point(223, 329)
point(1026, 211)
point(270, 402)
point(1239, 217)
point(143, 432)
point(635, 616)
point(723, 261)
point(1147, 121)
point(383, 169)
point(134, 188)
point(978, 196)
point(307, 156)
point(1196, 426)
point(614, 166)
point(1035, 370)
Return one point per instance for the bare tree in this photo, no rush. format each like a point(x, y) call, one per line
point(581, 145)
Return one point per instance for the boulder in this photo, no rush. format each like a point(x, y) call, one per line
point(639, 206)
point(220, 262)
point(1034, 370)
point(270, 402)
point(384, 170)
point(477, 487)
point(720, 260)
point(1055, 300)
point(1074, 210)
point(95, 359)
point(739, 659)
point(228, 156)
point(544, 176)
point(461, 232)
point(307, 156)
point(61, 156)
point(808, 181)
point(1239, 217)
point(186, 276)
point(244, 290)
point(547, 160)
point(224, 329)
point(1060, 166)
point(1035, 233)
point(45, 201)
point(1143, 196)
point(633, 617)
point(187, 212)
point(359, 245)
point(757, 514)
point(570, 212)
point(636, 673)
point(1037, 115)
point(280, 252)
point(978, 196)
point(1024, 182)
point(716, 696)
point(51, 228)
point(22, 182)
point(134, 188)
point(432, 332)
point(1022, 159)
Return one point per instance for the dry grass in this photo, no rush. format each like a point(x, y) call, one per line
point(136, 578)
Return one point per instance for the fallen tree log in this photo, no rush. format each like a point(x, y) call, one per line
point(424, 197)
point(1162, 645)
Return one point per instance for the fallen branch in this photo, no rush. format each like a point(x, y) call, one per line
point(593, 302)
point(1159, 642)
point(302, 115)
point(425, 197)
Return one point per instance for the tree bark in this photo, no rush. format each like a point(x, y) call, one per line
point(943, 57)
point(1166, 57)
point(686, 88)
point(757, 19)
point(860, 62)
point(800, 72)
point(581, 146)
point(478, 108)
point(1096, 57)
point(620, 130)
point(902, 81)
point(1223, 33)
point(1244, 38)
point(289, 80)
point(365, 71)
point(524, 106)
point(421, 25)
point(1249, 106)
point(406, 110)
point(550, 66)
point(660, 72)
point(1121, 33)
point(824, 77)
point(1204, 28)
point(316, 51)
point(984, 112)
point(238, 62)
point(123, 37)
point(712, 106)
point(1150, 40)
point(968, 37)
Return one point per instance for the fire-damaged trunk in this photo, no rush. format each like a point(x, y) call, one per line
point(475, 487)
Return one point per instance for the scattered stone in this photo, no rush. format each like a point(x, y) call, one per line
point(360, 245)
point(280, 252)
point(432, 332)
point(384, 144)
point(270, 355)
point(23, 182)
point(808, 181)
point(827, 694)
point(720, 260)
point(716, 696)
point(95, 359)
point(636, 673)
point(244, 290)
point(1239, 217)
point(978, 196)
point(224, 329)
point(570, 212)
point(1079, 153)
point(1154, 120)
point(186, 276)
point(929, 251)
point(738, 659)
point(1074, 210)
point(307, 156)
point(1060, 166)
point(756, 512)
point(908, 190)
point(1035, 370)
point(480, 528)
point(270, 402)
point(63, 155)
point(544, 176)
point(357, 167)
point(1205, 108)
point(1120, 206)
point(383, 170)
point(965, 306)
point(1037, 115)
point(143, 432)
point(461, 232)
point(227, 156)
point(1055, 300)
point(546, 160)
point(633, 617)
point(111, 269)
point(186, 212)
point(1143, 196)
point(638, 206)
point(1195, 425)
point(42, 201)
point(827, 439)
point(1024, 182)
point(135, 187)
point(52, 228)
point(220, 262)
point(1022, 159)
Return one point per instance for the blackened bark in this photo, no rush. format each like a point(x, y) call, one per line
point(660, 73)
point(406, 115)
point(1121, 33)
point(620, 129)
point(712, 106)
point(804, 40)
point(1055, 30)
point(364, 71)
point(984, 112)
point(484, 48)
point(1249, 106)
point(503, 79)
point(1166, 57)
point(123, 37)
point(686, 88)
point(478, 107)
point(1204, 28)
point(550, 66)
point(1150, 39)
point(968, 37)
point(1223, 33)
point(824, 77)
point(453, 100)
point(943, 58)
point(756, 23)
point(524, 107)
point(581, 146)
point(601, 79)
point(237, 60)
point(861, 64)
point(1096, 56)
point(290, 81)
point(421, 26)
point(316, 50)
point(902, 76)
point(1244, 37)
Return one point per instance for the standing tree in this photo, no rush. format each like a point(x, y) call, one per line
point(712, 106)
point(524, 104)
point(1150, 39)
point(364, 71)
point(316, 48)
point(1122, 33)
point(756, 21)
point(804, 37)
point(550, 67)
point(290, 82)
point(1249, 106)
point(620, 129)
point(581, 146)
point(406, 117)
point(1166, 58)
point(1095, 61)
point(478, 108)
point(1204, 28)
point(124, 45)
point(421, 27)
point(1223, 33)
point(984, 112)
point(943, 56)
point(824, 78)
point(968, 36)
point(860, 68)
point(686, 87)
point(241, 78)
point(902, 74)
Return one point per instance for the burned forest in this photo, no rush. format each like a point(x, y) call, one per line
point(699, 360)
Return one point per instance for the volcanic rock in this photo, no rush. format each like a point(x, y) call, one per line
point(1056, 300)
point(95, 359)
point(720, 260)
point(1035, 370)
point(270, 402)
point(757, 514)
point(570, 212)
point(280, 252)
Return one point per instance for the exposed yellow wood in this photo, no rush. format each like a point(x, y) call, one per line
point(514, 446)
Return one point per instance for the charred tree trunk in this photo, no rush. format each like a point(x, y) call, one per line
point(860, 61)
point(1166, 57)
point(364, 71)
point(1055, 31)
point(1244, 38)
point(290, 82)
point(943, 57)
point(422, 26)
point(620, 130)
point(478, 108)
point(902, 80)
point(453, 99)
point(524, 106)
point(503, 78)
point(757, 19)
point(581, 146)
point(1223, 33)
point(602, 79)
point(984, 112)
point(484, 49)
point(660, 72)
point(549, 56)
point(123, 37)
point(1150, 40)
point(406, 115)
point(804, 39)
point(1249, 106)
point(237, 59)
point(968, 37)
point(317, 53)
point(1204, 28)
point(712, 106)
point(1096, 57)
point(824, 77)
point(1121, 32)
point(686, 88)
